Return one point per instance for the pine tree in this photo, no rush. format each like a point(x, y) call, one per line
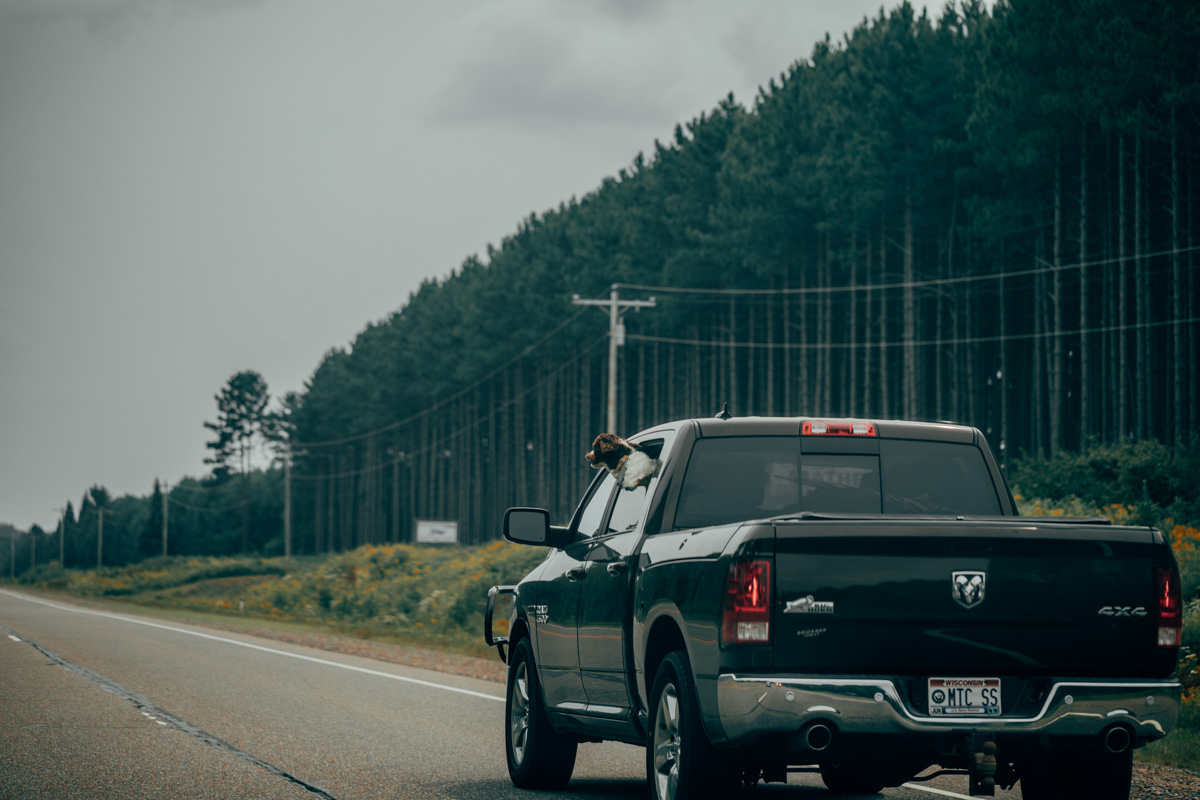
point(241, 430)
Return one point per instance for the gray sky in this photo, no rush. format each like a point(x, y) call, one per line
point(189, 188)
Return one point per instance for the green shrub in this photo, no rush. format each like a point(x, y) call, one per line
point(1189, 572)
point(158, 574)
point(282, 600)
point(1155, 480)
point(50, 575)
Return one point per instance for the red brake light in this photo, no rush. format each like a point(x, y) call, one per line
point(1170, 606)
point(837, 429)
point(747, 614)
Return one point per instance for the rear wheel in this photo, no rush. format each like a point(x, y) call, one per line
point(846, 779)
point(538, 757)
point(681, 763)
point(1078, 776)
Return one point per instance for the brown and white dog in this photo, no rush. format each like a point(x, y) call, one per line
point(627, 462)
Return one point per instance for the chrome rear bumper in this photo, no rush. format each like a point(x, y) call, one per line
point(751, 706)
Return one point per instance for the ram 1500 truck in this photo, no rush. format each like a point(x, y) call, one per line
point(857, 598)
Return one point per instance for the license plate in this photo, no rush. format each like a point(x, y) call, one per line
point(965, 697)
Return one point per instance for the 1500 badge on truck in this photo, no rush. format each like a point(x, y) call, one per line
point(856, 598)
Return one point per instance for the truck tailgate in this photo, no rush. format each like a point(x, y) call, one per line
point(976, 597)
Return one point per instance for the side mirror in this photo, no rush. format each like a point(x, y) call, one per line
point(532, 526)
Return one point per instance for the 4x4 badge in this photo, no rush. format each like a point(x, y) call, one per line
point(968, 587)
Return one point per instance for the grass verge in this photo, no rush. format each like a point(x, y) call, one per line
point(430, 597)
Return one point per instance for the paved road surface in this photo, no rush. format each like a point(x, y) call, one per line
point(97, 705)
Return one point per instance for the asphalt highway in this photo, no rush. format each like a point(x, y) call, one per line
point(99, 705)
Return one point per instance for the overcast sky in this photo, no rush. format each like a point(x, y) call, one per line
point(190, 188)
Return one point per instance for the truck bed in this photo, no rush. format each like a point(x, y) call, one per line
point(1005, 596)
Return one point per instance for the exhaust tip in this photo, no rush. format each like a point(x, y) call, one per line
point(818, 737)
point(1117, 739)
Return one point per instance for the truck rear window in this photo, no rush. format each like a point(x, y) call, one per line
point(739, 478)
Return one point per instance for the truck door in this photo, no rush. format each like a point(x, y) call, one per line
point(605, 598)
point(556, 612)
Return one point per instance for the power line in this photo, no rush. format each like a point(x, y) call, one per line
point(842, 295)
point(731, 345)
point(921, 343)
point(921, 284)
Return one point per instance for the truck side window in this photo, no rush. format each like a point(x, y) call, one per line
point(630, 507)
point(593, 509)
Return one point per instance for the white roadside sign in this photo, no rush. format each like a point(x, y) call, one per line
point(436, 532)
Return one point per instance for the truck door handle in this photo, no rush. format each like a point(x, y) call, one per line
point(577, 574)
point(617, 568)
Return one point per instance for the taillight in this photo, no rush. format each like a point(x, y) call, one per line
point(1170, 606)
point(747, 615)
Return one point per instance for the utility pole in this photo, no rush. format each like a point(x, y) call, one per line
point(99, 531)
point(287, 502)
point(287, 508)
point(616, 338)
point(62, 530)
point(165, 489)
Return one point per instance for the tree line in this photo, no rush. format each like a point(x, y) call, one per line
point(236, 508)
point(979, 216)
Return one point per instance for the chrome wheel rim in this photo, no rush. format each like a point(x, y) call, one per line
point(666, 744)
point(518, 715)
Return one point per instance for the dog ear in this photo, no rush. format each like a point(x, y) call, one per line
point(599, 447)
point(607, 450)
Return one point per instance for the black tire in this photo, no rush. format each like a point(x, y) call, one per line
point(1078, 776)
point(1039, 780)
point(538, 757)
point(846, 779)
point(681, 763)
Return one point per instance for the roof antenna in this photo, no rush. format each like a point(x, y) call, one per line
point(724, 412)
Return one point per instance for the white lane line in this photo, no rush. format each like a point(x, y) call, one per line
point(167, 718)
point(941, 792)
point(299, 656)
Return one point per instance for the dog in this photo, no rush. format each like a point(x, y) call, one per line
point(627, 462)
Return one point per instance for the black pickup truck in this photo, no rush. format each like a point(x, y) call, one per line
point(857, 598)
